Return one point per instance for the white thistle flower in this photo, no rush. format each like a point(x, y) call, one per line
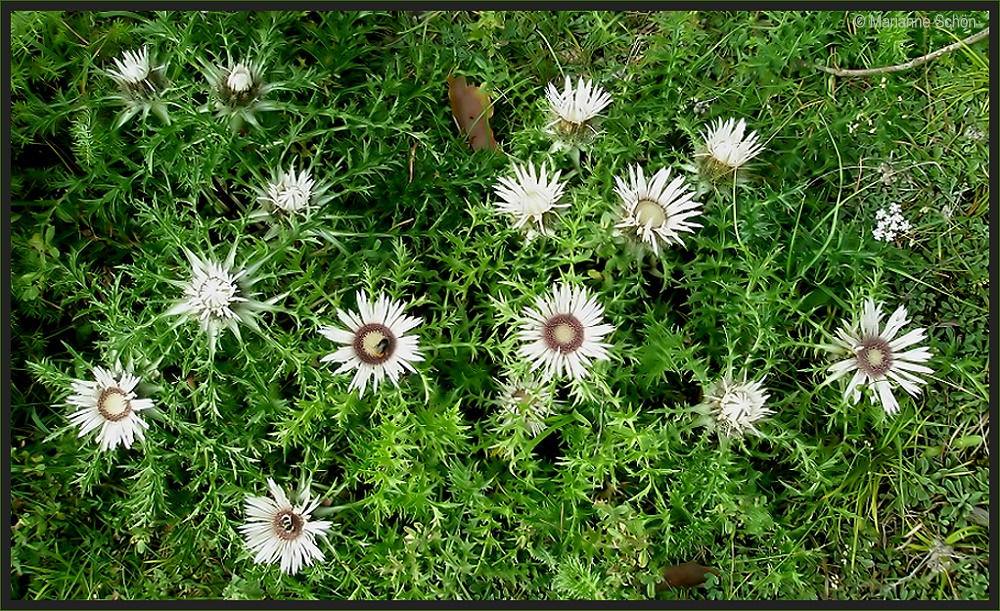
point(889, 223)
point(734, 408)
point(877, 357)
point(277, 530)
point(219, 297)
point(240, 78)
point(727, 149)
point(576, 108)
point(530, 198)
point(563, 333)
point(139, 81)
point(239, 84)
point(133, 69)
point(111, 406)
point(239, 91)
point(526, 403)
point(375, 344)
point(290, 193)
point(655, 212)
point(577, 105)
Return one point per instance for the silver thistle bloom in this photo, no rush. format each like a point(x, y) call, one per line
point(575, 110)
point(733, 408)
point(563, 333)
point(375, 343)
point(133, 69)
point(140, 82)
point(278, 531)
point(110, 406)
point(531, 198)
point(656, 212)
point(289, 195)
point(219, 296)
point(525, 402)
point(239, 90)
point(240, 79)
point(726, 149)
point(878, 359)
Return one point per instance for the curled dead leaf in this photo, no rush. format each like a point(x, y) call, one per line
point(687, 575)
point(472, 111)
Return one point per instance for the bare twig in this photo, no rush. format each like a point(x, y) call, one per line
point(913, 63)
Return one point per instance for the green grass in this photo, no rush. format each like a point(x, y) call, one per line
point(430, 497)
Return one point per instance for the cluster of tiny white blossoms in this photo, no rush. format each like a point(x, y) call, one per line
point(889, 223)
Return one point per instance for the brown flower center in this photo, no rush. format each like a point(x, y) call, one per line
point(114, 404)
point(648, 212)
point(875, 356)
point(524, 397)
point(287, 524)
point(374, 343)
point(564, 333)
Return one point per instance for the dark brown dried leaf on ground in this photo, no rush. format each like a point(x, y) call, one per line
point(687, 575)
point(468, 104)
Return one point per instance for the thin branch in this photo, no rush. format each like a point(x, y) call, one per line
point(913, 63)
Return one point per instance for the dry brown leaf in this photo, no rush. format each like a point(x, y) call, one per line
point(687, 575)
point(467, 105)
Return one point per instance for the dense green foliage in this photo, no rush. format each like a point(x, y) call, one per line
point(429, 495)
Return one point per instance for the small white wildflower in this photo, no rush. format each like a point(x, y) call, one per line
point(889, 173)
point(973, 133)
point(940, 555)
